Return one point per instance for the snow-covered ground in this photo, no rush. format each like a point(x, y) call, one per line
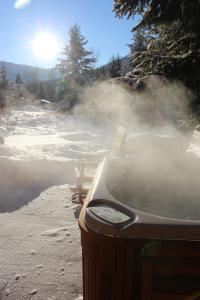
point(42, 134)
point(41, 149)
point(40, 252)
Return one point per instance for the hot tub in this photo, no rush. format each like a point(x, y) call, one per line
point(140, 229)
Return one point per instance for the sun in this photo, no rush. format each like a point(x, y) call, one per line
point(45, 46)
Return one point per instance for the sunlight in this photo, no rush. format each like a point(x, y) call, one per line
point(45, 46)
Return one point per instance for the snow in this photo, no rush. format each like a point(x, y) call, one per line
point(40, 151)
point(40, 249)
point(45, 135)
point(40, 256)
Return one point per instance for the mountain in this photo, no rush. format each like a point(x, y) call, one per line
point(29, 73)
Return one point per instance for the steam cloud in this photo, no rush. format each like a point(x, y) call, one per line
point(159, 176)
point(157, 173)
point(19, 4)
point(159, 104)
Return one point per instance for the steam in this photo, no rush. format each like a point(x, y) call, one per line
point(151, 161)
point(105, 100)
point(19, 4)
point(159, 104)
point(23, 181)
point(162, 178)
point(157, 174)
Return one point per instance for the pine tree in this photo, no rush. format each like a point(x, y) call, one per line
point(139, 41)
point(77, 68)
point(156, 12)
point(3, 78)
point(2, 100)
point(3, 87)
point(115, 67)
point(77, 61)
point(18, 79)
point(101, 73)
point(175, 50)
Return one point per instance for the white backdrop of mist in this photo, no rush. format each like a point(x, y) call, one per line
point(160, 104)
point(157, 175)
point(161, 175)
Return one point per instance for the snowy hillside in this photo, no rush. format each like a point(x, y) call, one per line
point(29, 73)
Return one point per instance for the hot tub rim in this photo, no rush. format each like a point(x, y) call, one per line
point(176, 228)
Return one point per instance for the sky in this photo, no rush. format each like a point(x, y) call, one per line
point(23, 21)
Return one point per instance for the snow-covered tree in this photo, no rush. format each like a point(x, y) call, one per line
point(139, 41)
point(175, 50)
point(77, 61)
point(77, 68)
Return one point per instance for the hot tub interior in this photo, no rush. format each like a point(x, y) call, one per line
point(158, 181)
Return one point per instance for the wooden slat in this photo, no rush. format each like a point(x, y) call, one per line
point(82, 166)
point(80, 193)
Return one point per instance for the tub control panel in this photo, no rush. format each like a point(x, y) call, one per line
point(109, 214)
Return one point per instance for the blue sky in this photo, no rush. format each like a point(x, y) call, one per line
point(107, 35)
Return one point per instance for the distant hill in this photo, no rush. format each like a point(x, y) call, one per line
point(29, 73)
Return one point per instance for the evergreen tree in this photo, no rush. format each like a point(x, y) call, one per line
point(18, 79)
point(140, 41)
point(175, 50)
point(77, 61)
point(157, 12)
point(101, 73)
point(3, 78)
point(3, 87)
point(76, 68)
point(115, 67)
